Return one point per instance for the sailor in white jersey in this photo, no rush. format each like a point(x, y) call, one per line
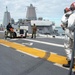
point(67, 43)
point(70, 33)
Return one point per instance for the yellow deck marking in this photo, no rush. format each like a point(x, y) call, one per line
point(57, 59)
point(42, 54)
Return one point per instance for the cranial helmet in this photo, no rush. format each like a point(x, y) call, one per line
point(66, 10)
point(72, 6)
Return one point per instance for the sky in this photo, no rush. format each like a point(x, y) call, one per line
point(52, 10)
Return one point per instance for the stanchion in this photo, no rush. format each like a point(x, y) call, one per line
point(72, 59)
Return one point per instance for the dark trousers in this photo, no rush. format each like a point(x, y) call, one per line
point(33, 35)
point(9, 32)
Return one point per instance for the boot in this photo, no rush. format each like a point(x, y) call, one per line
point(67, 65)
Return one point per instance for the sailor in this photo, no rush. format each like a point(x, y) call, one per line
point(71, 27)
point(9, 30)
point(34, 29)
point(64, 20)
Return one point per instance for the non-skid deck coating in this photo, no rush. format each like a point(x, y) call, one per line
point(55, 58)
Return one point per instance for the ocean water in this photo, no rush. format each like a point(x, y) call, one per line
point(60, 30)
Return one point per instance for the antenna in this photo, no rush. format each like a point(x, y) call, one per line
point(6, 8)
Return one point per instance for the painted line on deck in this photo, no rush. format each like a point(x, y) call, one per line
point(53, 53)
point(4, 45)
point(47, 43)
point(27, 53)
point(44, 50)
point(29, 44)
point(40, 49)
point(13, 39)
point(55, 58)
point(59, 65)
